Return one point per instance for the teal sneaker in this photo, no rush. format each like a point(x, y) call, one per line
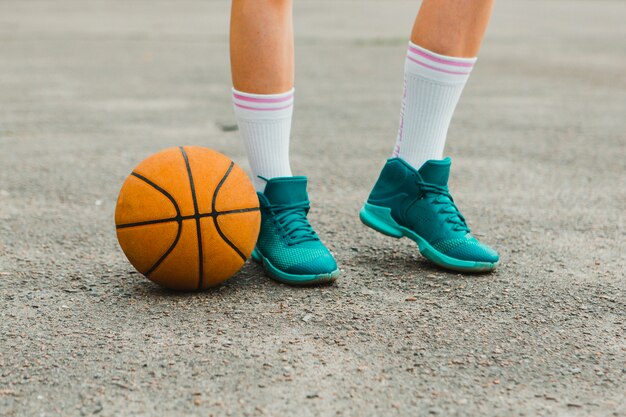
point(406, 202)
point(288, 247)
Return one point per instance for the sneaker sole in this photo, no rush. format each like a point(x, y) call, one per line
point(379, 218)
point(293, 279)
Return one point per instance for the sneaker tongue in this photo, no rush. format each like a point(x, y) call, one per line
point(436, 171)
point(286, 190)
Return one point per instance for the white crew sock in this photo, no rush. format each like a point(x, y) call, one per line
point(432, 86)
point(265, 124)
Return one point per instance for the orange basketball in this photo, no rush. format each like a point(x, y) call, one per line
point(187, 218)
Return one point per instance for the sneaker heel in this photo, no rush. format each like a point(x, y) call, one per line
point(379, 219)
point(256, 256)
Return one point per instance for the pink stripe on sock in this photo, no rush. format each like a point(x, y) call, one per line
point(263, 108)
point(262, 100)
point(435, 68)
point(440, 60)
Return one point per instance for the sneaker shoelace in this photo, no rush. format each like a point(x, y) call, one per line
point(442, 198)
point(293, 221)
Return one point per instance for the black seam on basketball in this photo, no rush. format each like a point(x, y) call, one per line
point(219, 185)
point(197, 216)
point(148, 222)
point(231, 244)
point(190, 217)
point(213, 203)
point(161, 190)
point(178, 216)
point(169, 250)
point(244, 210)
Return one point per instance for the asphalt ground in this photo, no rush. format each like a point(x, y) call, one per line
point(90, 88)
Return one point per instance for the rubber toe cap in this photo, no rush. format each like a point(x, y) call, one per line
point(468, 250)
point(476, 252)
point(321, 265)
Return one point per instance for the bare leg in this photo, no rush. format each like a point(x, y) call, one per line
point(261, 46)
point(452, 27)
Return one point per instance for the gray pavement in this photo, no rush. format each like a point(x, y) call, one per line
point(90, 88)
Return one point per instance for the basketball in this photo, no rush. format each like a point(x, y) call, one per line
point(187, 218)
